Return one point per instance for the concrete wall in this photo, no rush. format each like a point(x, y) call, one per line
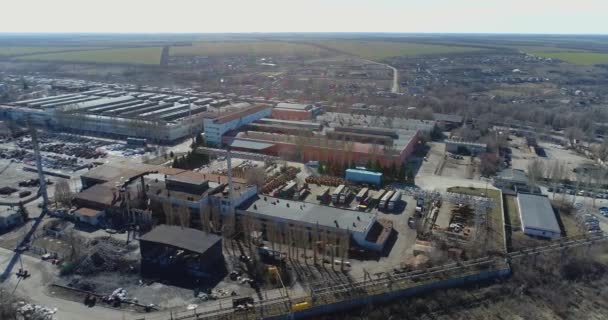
point(388, 297)
point(541, 233)
point(284, 114)
point(318, 153)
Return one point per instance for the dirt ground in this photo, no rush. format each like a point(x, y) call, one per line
point(401, 247)
point(458, 168)
point(434, 159)
point(522, 155)
point(438, 162)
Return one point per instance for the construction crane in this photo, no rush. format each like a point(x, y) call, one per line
point(43, 190)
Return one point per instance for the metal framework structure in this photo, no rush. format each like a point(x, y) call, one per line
point(322, 293)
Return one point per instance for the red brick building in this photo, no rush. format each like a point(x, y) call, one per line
point(323, 148)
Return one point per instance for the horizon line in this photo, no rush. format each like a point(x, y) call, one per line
point(290, 32)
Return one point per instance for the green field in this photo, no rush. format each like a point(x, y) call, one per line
point(15, 51)
point(582, 58)
point(378, 50)
point(147, 55)
point(244, 48)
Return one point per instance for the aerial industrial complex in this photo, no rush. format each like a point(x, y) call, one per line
point(161, 203)
point(160, 117)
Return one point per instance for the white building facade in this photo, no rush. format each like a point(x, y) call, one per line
point(217, 127)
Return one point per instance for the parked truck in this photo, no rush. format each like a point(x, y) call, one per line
point(324, 196)
point(362, 194)
point(335, 196)
point(393, 203)
point(385, 199)
point(344, 195)
point(376, 198)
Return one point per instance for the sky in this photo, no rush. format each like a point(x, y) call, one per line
point(229, 16)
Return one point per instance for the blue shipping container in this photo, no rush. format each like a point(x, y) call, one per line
point(357, 175)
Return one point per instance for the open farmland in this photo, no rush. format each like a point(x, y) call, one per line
point(245, 48)
point(146, 55)
point(582, 58)
point(16, 51)
point(378, 50)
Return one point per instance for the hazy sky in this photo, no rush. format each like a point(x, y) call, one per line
point(477, 16)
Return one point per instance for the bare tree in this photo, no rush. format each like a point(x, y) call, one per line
point(602, 150)
point(184, 215)
point(556, 173)
point(256, 176)
point(168, 210)
point(8, 304)
point(536, 171)
point(574, 135)
point(63, 195)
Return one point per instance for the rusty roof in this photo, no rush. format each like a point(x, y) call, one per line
point(239, 114)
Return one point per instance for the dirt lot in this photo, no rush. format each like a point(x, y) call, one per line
point(458, 168)
point(522, 155)
point(401, 247)
point(434, 159)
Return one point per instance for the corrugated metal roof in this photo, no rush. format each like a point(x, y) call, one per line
point(252, 145)
point(536, 212)
point(310, 213)
point(185, 238)
point(293, 106)
point(239, 114)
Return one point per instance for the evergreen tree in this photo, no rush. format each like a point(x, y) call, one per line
point(352, 165)
point(23, 212)
point(401, 173)
point(377, 166)
point(393, 170)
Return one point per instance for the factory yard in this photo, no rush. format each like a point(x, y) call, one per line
point(268, 177)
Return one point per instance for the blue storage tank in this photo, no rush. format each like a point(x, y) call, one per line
point(364, 176)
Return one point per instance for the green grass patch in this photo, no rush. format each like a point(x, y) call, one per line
point(147, 55)
point(581, 58)
point(256, 48)
point(548, 49)
point(378, 50)
point(16, 51)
